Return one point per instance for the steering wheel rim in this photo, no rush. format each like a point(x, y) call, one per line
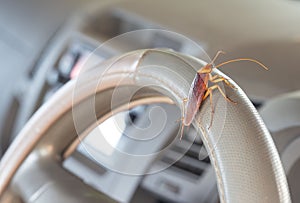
point(246, 162)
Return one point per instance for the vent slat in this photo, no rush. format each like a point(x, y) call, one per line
point(185, 163)
point(185, 157)
point(194, 151)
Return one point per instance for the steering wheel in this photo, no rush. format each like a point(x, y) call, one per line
point(243, 155)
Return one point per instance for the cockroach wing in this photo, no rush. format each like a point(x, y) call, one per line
point(195, 97)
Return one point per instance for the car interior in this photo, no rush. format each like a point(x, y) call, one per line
point(100, 101)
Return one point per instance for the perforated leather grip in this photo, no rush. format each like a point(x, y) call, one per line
point(247, 165)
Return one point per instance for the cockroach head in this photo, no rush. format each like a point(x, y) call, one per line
point(206, 69)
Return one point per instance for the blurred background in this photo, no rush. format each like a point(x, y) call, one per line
point(41, 42)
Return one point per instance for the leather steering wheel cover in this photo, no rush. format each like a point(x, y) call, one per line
point(246, 162)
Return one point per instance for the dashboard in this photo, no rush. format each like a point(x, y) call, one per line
point(90, 32)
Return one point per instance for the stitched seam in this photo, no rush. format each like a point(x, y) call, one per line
point(214, 162)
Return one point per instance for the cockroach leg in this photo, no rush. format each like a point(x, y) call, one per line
point(185, 100)
point(209, 93)
point(183, 110)
point(221, 91)
point(228, 83)
point(217, 78)
point(211, 78)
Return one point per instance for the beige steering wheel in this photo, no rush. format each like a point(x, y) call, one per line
point(242, 152)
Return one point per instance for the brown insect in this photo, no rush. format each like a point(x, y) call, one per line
point(200, 90)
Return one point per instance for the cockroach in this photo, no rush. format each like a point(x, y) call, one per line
point(200, 89)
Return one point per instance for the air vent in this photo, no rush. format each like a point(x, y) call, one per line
point(189, 164)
